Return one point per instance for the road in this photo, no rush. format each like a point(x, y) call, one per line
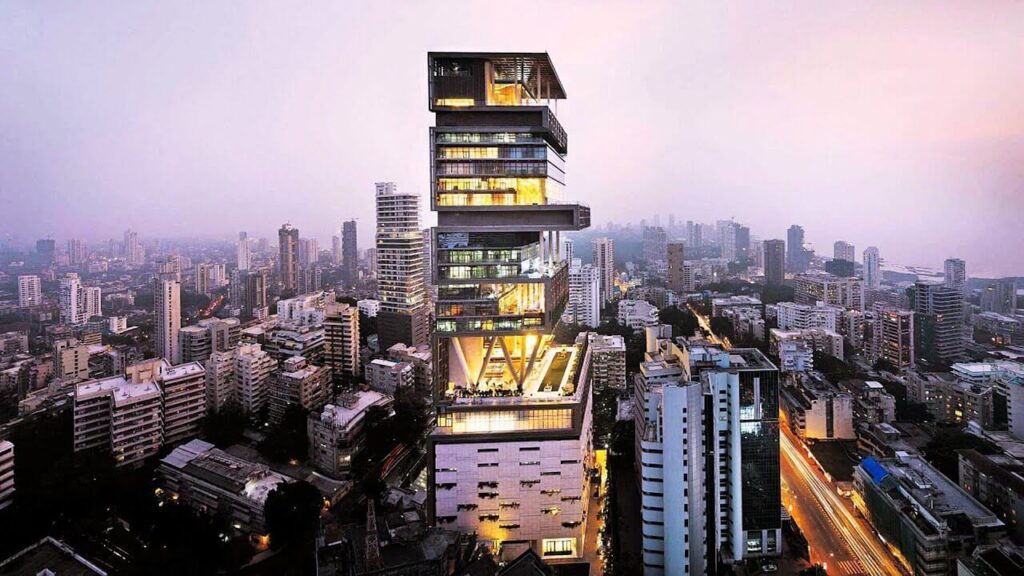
point(827, 521)
point(705, 327)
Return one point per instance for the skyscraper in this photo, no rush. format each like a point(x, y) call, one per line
point(1000, 296)
point(707, 440)
point(872, 268)
point(46, 250)
point(336, 250)
point(654, 244)
point(938, 322)
point(604, 261)
point(955, 275)
point(134, 254)
point(741, 243)
point(167, 317)
point(511, 450)
point(349, 253)
point(676, 263)
point(400, 268)
point(796, 257)
point(774, 262)
point(341, 340)
point(584, 305)
point(893, 337)
point(242, 255)
point(843, 250)
point(30, 291)
point(76, 252)
point(288, 260)
point(72, 300)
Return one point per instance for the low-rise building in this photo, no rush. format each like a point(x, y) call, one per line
point(207, 336)
point(215, 482)
point(336, 431)
point(637, 314)
point(872, 403)
point(387, 376)
point(421, 360)
point(921, 513)
point(368, 307)
point(997, 481)
point(299, 383)
point(817, 414)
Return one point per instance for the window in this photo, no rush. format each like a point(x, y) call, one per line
point(559, 547)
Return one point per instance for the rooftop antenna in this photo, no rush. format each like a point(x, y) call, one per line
point(373, 561)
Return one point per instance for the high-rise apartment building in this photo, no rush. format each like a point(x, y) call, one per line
point(584, 306)
point(938, 322)
point(955, 274)
point(243, 256)
point(118, 416)
point(182, 395)
point(893, 337)
point(93, 301)
point(253, 367)
point(298, 383)
point(76, 252)
point(726, 230)
point(607, 360)
point(774, 262)
point(308, 252)
point(511, 451)
point(207, 336)
point(843, 250)
point(167, 319)
point(604, 261)
point(872, 268)
point(797, 257)
point(72, 300)
point(220, 380)
point(341, 340)
point(349, 253)
point(134, 253)
point(249, 292)
point(400, 269)
point(707, 445)
point(336, 250)
point(1000, 296)
point(655, 241)
point(741, 243)
point(288, 257)
point(676, 253)
point(30, 291)
point(46, 251)
point(847, 292)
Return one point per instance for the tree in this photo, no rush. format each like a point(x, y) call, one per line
point(941, 451)
point(722, 327)
point(288, 439)
point(225, 427)
point(292, 513)
point(683, 322)
point(885, 365)
point(833, 368)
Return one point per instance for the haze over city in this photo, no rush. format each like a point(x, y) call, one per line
point(899, 126)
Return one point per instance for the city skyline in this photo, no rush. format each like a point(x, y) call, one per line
point(145, 115)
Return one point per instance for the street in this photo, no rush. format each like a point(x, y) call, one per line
point(843, 543)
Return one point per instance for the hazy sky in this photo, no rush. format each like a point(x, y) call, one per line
point(897, 124)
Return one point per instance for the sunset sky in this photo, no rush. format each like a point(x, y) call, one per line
point(894, 124)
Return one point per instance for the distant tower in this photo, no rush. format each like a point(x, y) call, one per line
point(30, 291)
point(955, 274)
point(167, 311)
point(604, 261)
point(288, 248)
point(774, 262)
point(872, 269)
point(349, 253)
point(796, 260)
point(242, 251)
point(676, 263)
point(843, 250)
point(72, 300)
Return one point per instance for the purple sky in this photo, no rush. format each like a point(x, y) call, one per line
point(899, 126)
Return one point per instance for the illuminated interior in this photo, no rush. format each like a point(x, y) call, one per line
point(525, 366)
point(497, 191)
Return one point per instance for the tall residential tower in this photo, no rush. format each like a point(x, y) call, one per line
point(510, 455)
point(403, 315)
